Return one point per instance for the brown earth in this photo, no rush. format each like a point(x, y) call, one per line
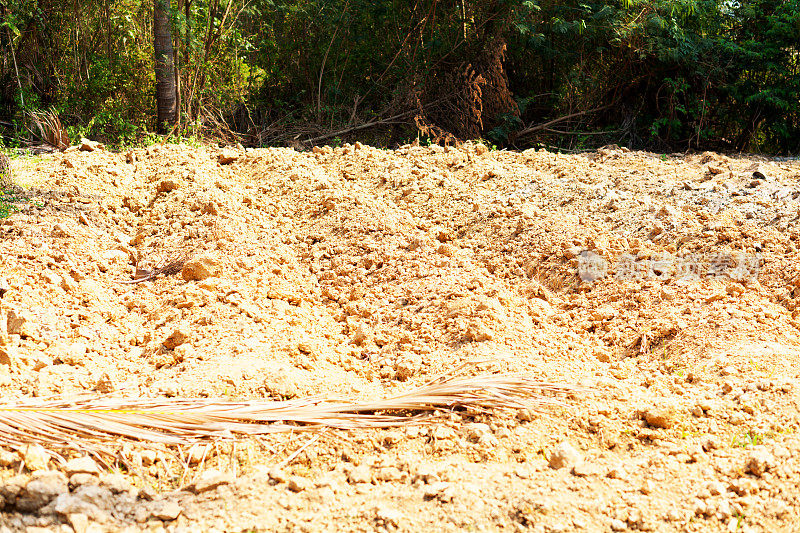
point(359, 273)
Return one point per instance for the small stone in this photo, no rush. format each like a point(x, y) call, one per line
point(165, 510)
point(198, 453)
point(442, 490)
point(148, 457)
point(604, 312)
point(278, 476)
point(724, 510)
point(443, 433)
point(116, 483)
point(759, 462)
point(360, 474)
point(78, 521)
point(526, 415)
point(8, 458)
point(390, 473)
point(389, 516)
point(280, 384)
point(168, 185)
point(8, 355)
point(4, 286)
point(105, 384)
point(227, 156)
point(407, 366)
point(91, 500)
point(299, 484)
point(709, 442)
point(43, 488)
point(35, 457)
point(21, 322)
point(210, 480)
point(660, 417)
point(447, 250)
point(736, 419)
point(90, 146)
point(564, 456)
point(76, 480)
point(618, 525)
point(81, 465)
point(617, 472)
point(202, 267)
point(178, 336)
point(584, 469)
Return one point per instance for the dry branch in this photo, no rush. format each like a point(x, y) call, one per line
point(546, 125)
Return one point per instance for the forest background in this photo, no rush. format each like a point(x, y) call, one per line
point(647, 74)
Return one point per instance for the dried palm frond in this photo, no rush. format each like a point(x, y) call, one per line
point(47, 127)
point(92, 422)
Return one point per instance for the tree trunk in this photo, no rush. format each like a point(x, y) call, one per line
point(166, 89)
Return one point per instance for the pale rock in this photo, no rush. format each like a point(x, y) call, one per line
point(76, 480)
point(759, 462)
point(7, 458)
point(21, 322)
point(526, 414)
point(81, 465)
point(202, 267)
point(604, 312)
point(198, 453)
point(168, 185)
point(35, 457)
point(44, 487)
point(149, 457)
point(165, 510)
point(91, 500)
point(564, 456)
point(441, 490)
point(116, 483)
point(178, 336)
point(227, 156)
point(407, 366)
point(8, 355)
point(360, 474)
point(390, 473)
point(299, 484)
point(389, 516)
point(116, 256)
point(277, 475)
point(79, 522)
point(90, 146)
point(660, 417)
point(618, 525)
point(52, 278)
point(210, 480)
point(105, 384)
point(73, 354)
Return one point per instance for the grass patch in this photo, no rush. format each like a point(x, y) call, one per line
point(6, 203)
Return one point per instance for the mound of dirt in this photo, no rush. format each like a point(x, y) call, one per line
point(667, 285)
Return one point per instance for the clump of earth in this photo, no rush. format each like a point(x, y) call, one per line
point(663, 287)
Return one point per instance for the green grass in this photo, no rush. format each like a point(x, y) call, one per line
point(6, 205)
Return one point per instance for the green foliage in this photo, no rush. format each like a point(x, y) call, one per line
point(678, 74)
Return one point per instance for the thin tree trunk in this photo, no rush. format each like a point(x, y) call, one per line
point(166, 88)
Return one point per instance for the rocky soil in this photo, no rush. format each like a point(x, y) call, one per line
point(665, 284)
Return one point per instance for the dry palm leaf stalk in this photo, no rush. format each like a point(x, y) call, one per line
point(89, 423)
